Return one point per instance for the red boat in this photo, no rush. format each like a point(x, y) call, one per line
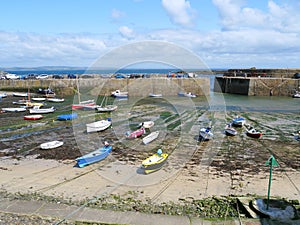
point(84, 104)
point(33, 117)
point(136, 133)
point(251, 132)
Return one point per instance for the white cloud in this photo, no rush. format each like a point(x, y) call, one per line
point(234, 15)
point(126, 32)
point(180, 12)
point(117, 14)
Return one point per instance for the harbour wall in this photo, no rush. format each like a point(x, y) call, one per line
point(104, 86)
point(257, 86)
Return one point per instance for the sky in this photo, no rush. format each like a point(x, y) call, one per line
point(222, 33)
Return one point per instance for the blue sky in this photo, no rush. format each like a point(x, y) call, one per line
point(223, 33)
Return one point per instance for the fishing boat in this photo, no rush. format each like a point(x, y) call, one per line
point(27, 103)
point(154, 162)
point(51, 144)
point(238, 121)
point(33, 117)
point(136, 133)
point(47, 91)
point(119, 94)
point(98, 125)
point(3, 95)
point(20, 94)
point(205, 134)
point(20, 109)
point(147, 124)
point(187, 94)
point(94, 156)
point(64, 117)
point(38, 110)
point(230, 131)
point(252, 132)
point(38, 99)
point(56, 100)
point(150, 137)
point(155, 95)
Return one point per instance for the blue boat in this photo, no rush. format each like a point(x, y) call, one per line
point(67, 116)
point(238, 121)
point(94, 156)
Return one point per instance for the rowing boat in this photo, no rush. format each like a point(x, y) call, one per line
point(154, 162)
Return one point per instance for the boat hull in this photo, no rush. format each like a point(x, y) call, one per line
point(14, 109)
point(33, 117)
point(51, 145)
point(230, 132)
point(98, 126)
point(150, 166)
point(254, 135)
point(67, 117)
point(94, 156)
point(151, 137)
point(136, 134)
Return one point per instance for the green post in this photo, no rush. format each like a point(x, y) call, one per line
point(271, 162)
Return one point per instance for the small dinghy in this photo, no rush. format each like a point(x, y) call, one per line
point(205, 134)
point(150, 137)
point(238, 121)
point(98, 125)
point(13, 109)
point(94, 156)
point(136, 133)
point(51, 145)
point(107, 108)
point(38, 99)
point(56, 100)
point(64, 117)
point(147, 124)
point(155, 95)
point(37, 110)
point(230, 131)
point(154, 162)
point(252, 132)
point(3, 95)
point(33, 117)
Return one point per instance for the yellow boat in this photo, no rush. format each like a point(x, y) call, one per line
point(154, 162)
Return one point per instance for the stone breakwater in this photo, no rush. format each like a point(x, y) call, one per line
point(257, 86)
point(104, 86)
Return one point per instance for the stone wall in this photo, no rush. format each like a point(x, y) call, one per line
point(257, 86)
point(103, 86)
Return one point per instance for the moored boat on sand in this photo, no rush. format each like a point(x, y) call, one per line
point(136, 133)
point(3, 95)
point(38, 110)
point(150, 137)
point(33, 117)
point(238, 121)
point(119, 94)
point(55, 100)
point(154, 162)
point(147, 124)
point(230, 131)
point(71, 116)
point(14, 109)
point(252, 132)
point(94, 156)
point(98, 125)
point(205, 134)
point(51, 144)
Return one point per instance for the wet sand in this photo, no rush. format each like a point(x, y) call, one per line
point(195, 170)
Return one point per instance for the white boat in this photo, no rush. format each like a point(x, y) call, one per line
point(297, 94)
point(238, 121)
point(147, 124)
point(55, 99)
point(38, 99)
point(98, 125)
point(3, 95)
point(40, 111)
point(51, 144)
point(205, 134)
point(14, 109)
point(119, 94)
point(107, 108)
point(189, 94)
point(33, 117)
point(20, 94)
point(155, 95)
point(150, 137)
